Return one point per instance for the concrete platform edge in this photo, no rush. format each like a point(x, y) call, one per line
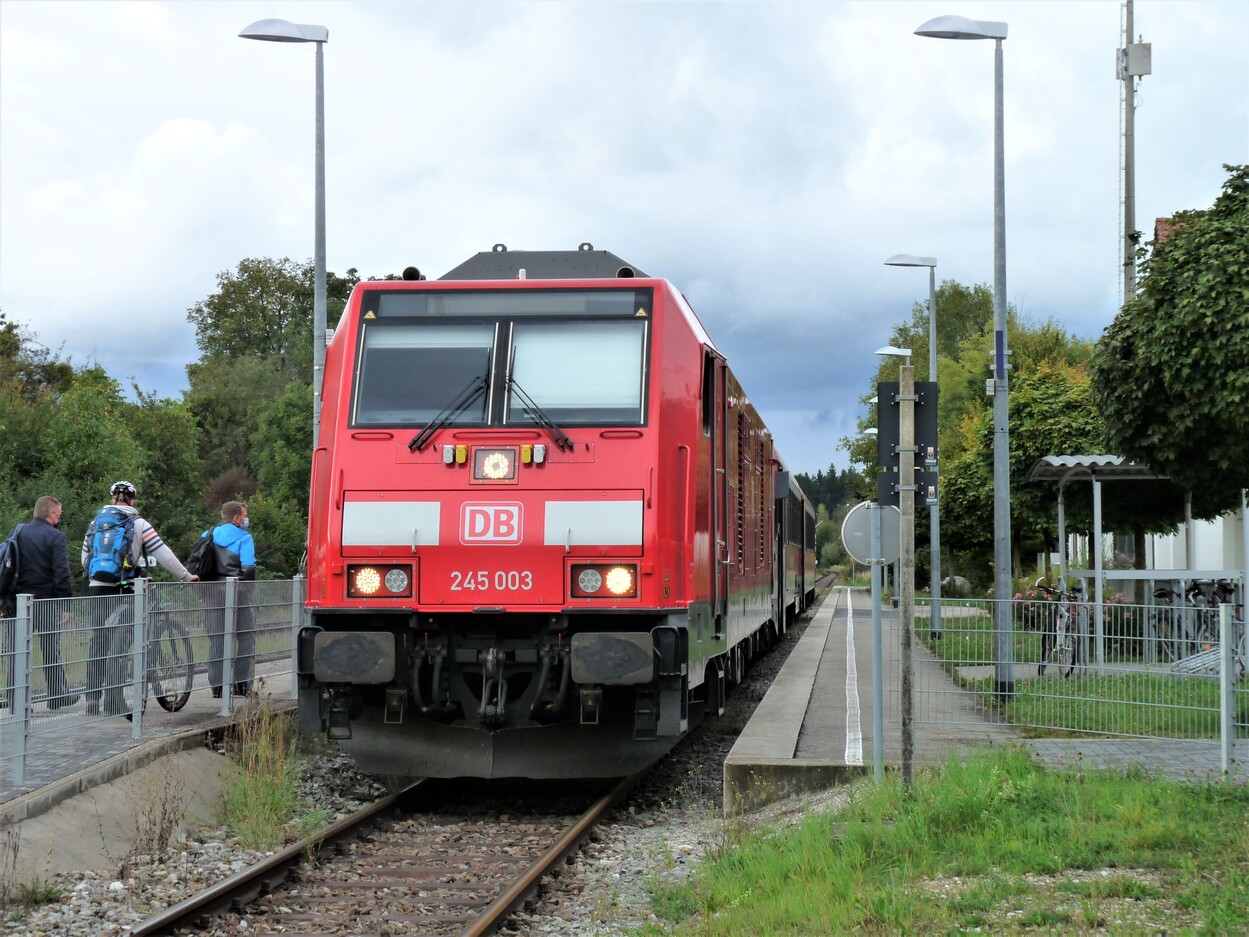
point(761, 768)
point(750, 785)
point(45, 798)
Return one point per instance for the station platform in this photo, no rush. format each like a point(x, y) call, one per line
point(813, 728)
point(74, 752)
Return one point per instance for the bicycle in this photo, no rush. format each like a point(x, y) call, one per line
point(1167, 629)
point(170, 659)
point(1205, 596)
point(1059, 645)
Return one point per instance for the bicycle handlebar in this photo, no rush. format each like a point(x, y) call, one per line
point(1058, 593)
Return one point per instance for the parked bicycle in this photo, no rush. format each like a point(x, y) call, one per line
point(1167, 625)
point(1205, 596)
point(1060, 645)
point(170, 660)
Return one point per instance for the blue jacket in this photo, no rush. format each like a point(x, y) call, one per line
point(237, 556)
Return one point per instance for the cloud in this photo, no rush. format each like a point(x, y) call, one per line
point(764, 157)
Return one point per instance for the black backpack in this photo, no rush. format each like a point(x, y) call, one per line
point(10, 566)
point(203, 559)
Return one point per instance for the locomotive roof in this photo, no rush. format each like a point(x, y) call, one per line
point(503, 264)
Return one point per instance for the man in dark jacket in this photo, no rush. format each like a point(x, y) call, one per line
point(44, 573)
point(235, 554)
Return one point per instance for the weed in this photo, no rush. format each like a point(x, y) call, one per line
point(261, 798)
point(159, 809)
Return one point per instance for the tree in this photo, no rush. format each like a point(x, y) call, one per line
point(282, 447)
point(1171, 373)
point(825, 489)
point(165, 430)
point(255, 335)
point(264, 310)
point(227, 397)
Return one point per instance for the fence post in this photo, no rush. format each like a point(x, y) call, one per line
point(227, 647)
point(139, 656)
point(19, 691)
point(297, 621)
point(1227, 686)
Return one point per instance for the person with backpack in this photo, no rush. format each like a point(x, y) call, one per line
point(112, 554)
point(43, 572)
point(228, 551)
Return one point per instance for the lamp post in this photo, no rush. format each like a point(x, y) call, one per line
point(906, 547)
point(959, 27)
point(934, 510)
point(282, 31)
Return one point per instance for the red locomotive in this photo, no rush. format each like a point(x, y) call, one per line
point(547, 528)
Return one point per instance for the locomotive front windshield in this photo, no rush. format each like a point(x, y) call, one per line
point(502, 358)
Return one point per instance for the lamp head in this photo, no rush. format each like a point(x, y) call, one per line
point(284, 31)
point(890, 351)
point(910, 260)
point(870, 431)
point(960, 27)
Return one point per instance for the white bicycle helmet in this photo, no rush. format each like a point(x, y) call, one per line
point(123, 490)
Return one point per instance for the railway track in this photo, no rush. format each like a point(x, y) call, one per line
point(460, 864)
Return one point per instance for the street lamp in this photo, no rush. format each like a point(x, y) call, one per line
point(959, 27)
point(906, 545)
point(282, 31)
point(934, 511)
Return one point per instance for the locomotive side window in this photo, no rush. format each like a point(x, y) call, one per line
point(410, 373)
point(578, 372)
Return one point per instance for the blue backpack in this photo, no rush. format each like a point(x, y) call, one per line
point(112, 533)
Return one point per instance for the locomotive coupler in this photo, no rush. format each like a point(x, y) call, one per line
point(396, 703)
point(338, 723)
point(591, 704)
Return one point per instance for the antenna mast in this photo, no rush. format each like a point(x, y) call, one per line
point(1133, 62)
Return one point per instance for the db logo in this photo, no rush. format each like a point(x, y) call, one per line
point(490, 523)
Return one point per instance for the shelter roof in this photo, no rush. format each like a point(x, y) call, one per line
point(1061, 468)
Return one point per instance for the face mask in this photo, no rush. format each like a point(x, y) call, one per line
point(247, 522)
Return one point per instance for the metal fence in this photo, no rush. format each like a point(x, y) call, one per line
point(1134, 671)
point(85, 659)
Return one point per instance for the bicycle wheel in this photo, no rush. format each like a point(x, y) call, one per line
point(1168, 651)
point(1065, 653)
point(171, 667)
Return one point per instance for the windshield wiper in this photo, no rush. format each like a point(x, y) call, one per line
point(449, 413)
point(538, 415)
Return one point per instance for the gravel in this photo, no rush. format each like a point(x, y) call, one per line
point(671, 820)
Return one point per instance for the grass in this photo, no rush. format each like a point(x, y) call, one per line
point(1136, 702)
point(261, 798)
point(997, 844)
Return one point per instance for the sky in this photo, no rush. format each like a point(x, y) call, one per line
point(766, 157)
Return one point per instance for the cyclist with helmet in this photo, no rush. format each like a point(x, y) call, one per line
point(104, 666)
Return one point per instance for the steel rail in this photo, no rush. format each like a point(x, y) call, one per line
point(498, 911)
point(258, 879)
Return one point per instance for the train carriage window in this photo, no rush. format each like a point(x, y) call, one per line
point(410, 373)
point(579, 372)
point(708, 393)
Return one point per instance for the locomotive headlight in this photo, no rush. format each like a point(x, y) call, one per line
point(603, 581)
point(383, 582)
point(494, 465)
point(590, 580)
point(396, 581)
point(367, 581)
point(620, 581)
